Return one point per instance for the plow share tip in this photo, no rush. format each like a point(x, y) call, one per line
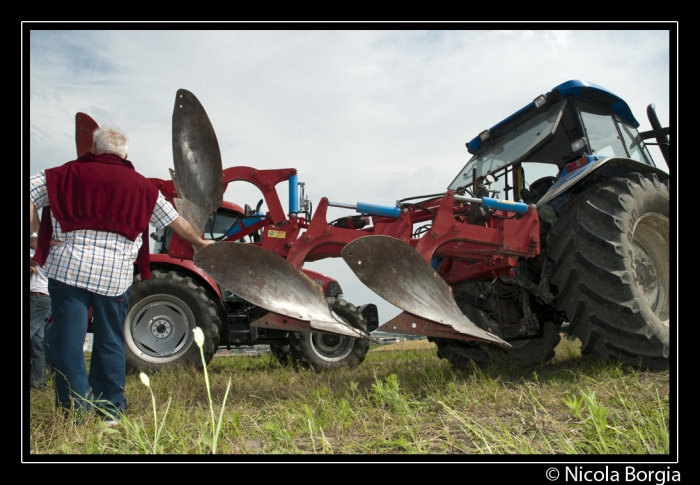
point(269, 281)
point(399, 274)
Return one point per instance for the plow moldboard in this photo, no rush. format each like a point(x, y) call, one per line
point(271, 282)
point(397, 272)
point(197, 160)
point(85, 126)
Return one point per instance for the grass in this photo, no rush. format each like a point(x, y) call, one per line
point(401, 402)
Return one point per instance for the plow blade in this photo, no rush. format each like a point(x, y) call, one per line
point(410, 324)
point(397, 272)
point(197, 160)
point(269, 281)
point(282, 322)
point(85, 126)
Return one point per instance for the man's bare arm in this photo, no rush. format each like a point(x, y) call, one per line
point(33, 218)
point(184, 229)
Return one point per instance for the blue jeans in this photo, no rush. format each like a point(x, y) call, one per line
point(39, 312)
point(104, 387)
point(47, 347)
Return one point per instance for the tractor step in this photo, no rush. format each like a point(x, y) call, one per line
point(269, 281)
point(398, 273)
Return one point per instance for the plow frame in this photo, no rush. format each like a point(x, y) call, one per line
point(464, 251)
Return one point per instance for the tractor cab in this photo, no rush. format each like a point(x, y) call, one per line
point(543, 143)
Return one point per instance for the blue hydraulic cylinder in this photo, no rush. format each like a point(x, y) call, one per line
point(249, 221)
point(378, 210)
point(294, 194)
point(504, 205)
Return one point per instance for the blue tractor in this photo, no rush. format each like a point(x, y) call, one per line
point(602, 273)
point(559, 221)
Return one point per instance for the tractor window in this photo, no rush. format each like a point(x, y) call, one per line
point(518, 144)
point(162, 243)
point(533, 173)
point(218, 223)
point(601, 131)
point(635, 145)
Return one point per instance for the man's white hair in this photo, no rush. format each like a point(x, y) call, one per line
point(110, 140)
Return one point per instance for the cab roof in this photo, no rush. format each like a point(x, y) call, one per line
point(576, 88)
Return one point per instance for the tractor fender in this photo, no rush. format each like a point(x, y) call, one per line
point(321, 279)
point(607, 166)
point(184, 266)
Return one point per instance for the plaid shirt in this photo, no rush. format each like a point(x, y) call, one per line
point(98, 261)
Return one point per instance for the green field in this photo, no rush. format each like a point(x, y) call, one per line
point(396, 402)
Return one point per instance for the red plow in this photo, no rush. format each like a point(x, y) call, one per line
point(380, 244)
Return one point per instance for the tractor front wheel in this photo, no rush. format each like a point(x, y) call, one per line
point(282, 353)
point(522, 353)
point(323, 351)
point(163, 312)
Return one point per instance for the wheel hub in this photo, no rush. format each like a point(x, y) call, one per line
point(330, 341)
point(328, 344)
point(650, 262)
point(646, 276)
point(161, 328)
point(331, 347)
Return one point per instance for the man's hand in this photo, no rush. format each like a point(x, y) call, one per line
point(184, 229)
point(206, 242)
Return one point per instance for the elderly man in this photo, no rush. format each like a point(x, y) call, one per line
point(94, 225)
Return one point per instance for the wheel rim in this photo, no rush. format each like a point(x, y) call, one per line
point(650, 261)
point(331, 348)
point(159, 328)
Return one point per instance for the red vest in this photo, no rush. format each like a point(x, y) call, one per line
point(102, 193)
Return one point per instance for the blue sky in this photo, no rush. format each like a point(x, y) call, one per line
point(364, 115)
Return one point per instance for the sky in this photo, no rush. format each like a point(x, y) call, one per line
point(371, 115)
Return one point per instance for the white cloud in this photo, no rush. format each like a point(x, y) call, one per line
point(364, 115)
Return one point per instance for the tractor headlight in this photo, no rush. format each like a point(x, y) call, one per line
point(578, 145)
point(540, 101)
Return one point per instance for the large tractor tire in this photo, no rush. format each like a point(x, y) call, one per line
point(322, 351)
point(462, 354)
point(610, 254)
point(163, 312)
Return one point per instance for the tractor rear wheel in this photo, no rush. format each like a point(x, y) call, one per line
point(163, 312)
point(610, 254)
point(522, 353)
point(323, 351)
